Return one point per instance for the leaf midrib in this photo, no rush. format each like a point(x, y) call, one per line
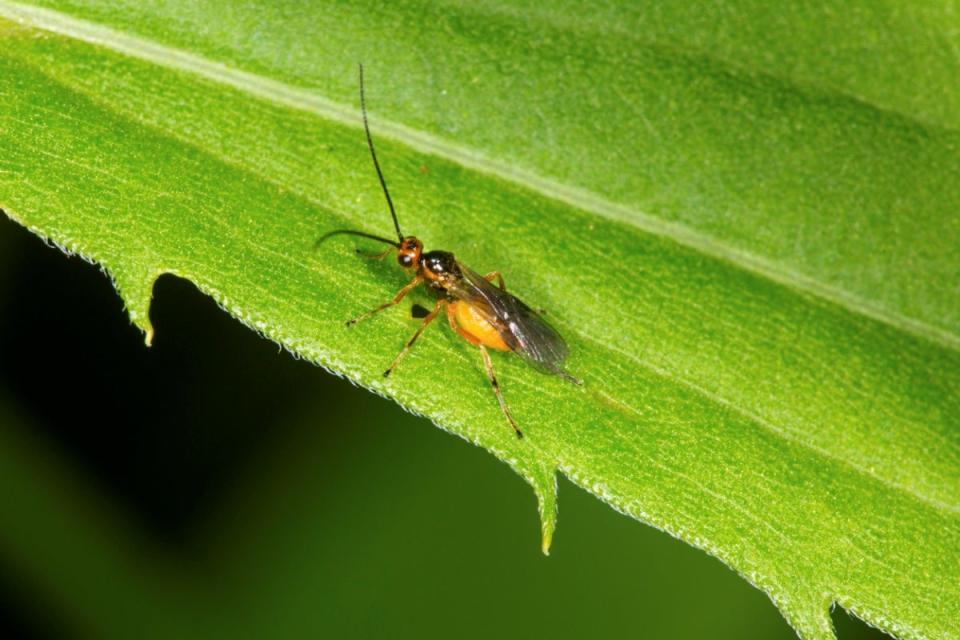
point(276, 92)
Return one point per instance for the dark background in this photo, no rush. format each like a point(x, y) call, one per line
point(213, 485)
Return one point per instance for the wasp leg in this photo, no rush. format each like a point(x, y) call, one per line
point(426, 321)
point(495, 275)
point(472, 339)
point(496, 390)
point(386, 305)
point(373, 256)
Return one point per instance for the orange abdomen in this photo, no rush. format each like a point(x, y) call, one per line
point(472, 323)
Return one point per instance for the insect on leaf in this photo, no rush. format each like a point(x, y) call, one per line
point(743, 222)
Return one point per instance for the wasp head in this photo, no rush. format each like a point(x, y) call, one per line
point(408, 253)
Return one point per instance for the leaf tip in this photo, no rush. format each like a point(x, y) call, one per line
point(138, 310)
point(809, 615)
point(136, 291)
point(545, 488)
point(546, 541)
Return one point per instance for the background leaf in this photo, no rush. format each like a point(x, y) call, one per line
point(759, 290)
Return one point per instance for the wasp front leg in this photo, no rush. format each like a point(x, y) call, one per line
point(374, 255)
point(386, 305)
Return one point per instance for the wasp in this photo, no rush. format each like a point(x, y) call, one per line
point(484, 314)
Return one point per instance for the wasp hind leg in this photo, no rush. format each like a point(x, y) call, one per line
point(426, 321)
point(488, 365)
point(495, 275)
point(496, 389)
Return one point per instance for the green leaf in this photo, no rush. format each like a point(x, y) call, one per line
point(744, 223)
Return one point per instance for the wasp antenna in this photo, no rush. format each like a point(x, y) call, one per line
point(373, 154)
point(351, 232)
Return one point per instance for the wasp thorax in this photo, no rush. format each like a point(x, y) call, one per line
point(439, 265)
point(408, 254)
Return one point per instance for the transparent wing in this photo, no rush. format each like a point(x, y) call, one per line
point(522, 329)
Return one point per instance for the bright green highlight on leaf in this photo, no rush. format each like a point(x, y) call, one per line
point(756, 273)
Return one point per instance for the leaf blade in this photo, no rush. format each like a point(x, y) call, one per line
point(699, 373)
